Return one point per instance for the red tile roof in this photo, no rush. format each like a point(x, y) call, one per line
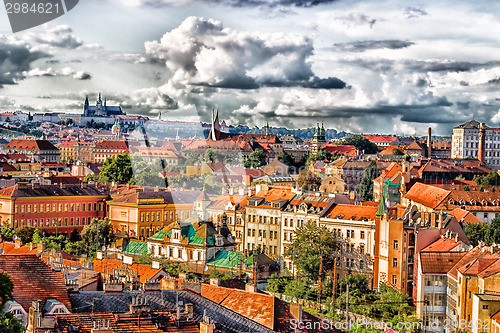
point(348, 150)
point(467, 216)
point(30, 144)
point(380, 138)
point(85, 324)
point(443, 244)
point(255, 306)
point(438, 262)
point(427, 195)
point(106, 266)
point(34, 280)
point(351, 212)
point(123, 145)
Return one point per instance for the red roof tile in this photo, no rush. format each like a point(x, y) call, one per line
point(438, 262)
point(443, 244)
point(34, 280)
point(30, 144)
point(427, 195)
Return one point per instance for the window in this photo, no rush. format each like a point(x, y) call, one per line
point(395, 244)
point(362, 248)
point(286, 222)
point(249, 232)
point(394, 262)
point(362, 234)
point(394, 279)
point(485, 307)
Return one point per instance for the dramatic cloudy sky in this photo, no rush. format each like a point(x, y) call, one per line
point(362, 66)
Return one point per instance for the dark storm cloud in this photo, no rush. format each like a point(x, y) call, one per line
point(357, 19)
point(420, 65)
point(61, 36)
point(412, 12)
point(82, 76)
point(15, 58)
point(241, 3)
point(361, 46)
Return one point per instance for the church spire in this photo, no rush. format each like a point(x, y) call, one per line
point(267, 128)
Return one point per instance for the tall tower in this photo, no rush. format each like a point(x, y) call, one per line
point(267, 128)
point(318, 139)
point(482, 143)
point(215, 128)
point(86, 106)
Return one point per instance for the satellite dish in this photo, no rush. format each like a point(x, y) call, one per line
point(15, 237)
point(205, 268)
point(103, 248)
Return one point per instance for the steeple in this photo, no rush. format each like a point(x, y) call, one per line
point(215, 129)
point(267, 128)
point(99, 100)
point(87, 100)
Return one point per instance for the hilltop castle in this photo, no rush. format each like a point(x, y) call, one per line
point(101, 109)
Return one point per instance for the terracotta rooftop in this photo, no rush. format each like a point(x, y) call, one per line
point(438, 262)
point(352, 212)
point(85, 324)
point(478, 265)
point(30, 144)
point(145, 272)
point(443, 244)
point(34, 280)
point(30, 190)
point(427, 195)
point(467, 216)
point(121, 145)
point(162, 196)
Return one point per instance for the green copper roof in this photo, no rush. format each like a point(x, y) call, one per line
point(160, 235)
point(138, 248)
point(189, 232)
point(227, 259)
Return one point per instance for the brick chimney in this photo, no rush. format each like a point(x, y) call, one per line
point(482, 144)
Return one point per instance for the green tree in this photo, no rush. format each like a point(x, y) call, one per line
point(75, 248)
point(191, 159)
point(397, 152)
point(300, 289)
point(361, 144)
point(286, 158)
point(7, 232)
point(476, 232)
point(310, 243)
point(8, 323)
point(37, 236)
point(359, 292)
point(74, 236)
point(25, 233)
point(213, 155)
point(91, 178)
point(256, 159)
point(149, 179)
point(491, 178)
point(366, 185)
point(320, 156)
point(117, 169)
point(96, 234)
point(138, 164)
point(492, 234)
point(277, 284)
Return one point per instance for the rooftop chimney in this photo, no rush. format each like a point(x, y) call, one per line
point(482, 139)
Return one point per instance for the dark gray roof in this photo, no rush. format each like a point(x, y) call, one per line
point(98, 301)
point(473, 124)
